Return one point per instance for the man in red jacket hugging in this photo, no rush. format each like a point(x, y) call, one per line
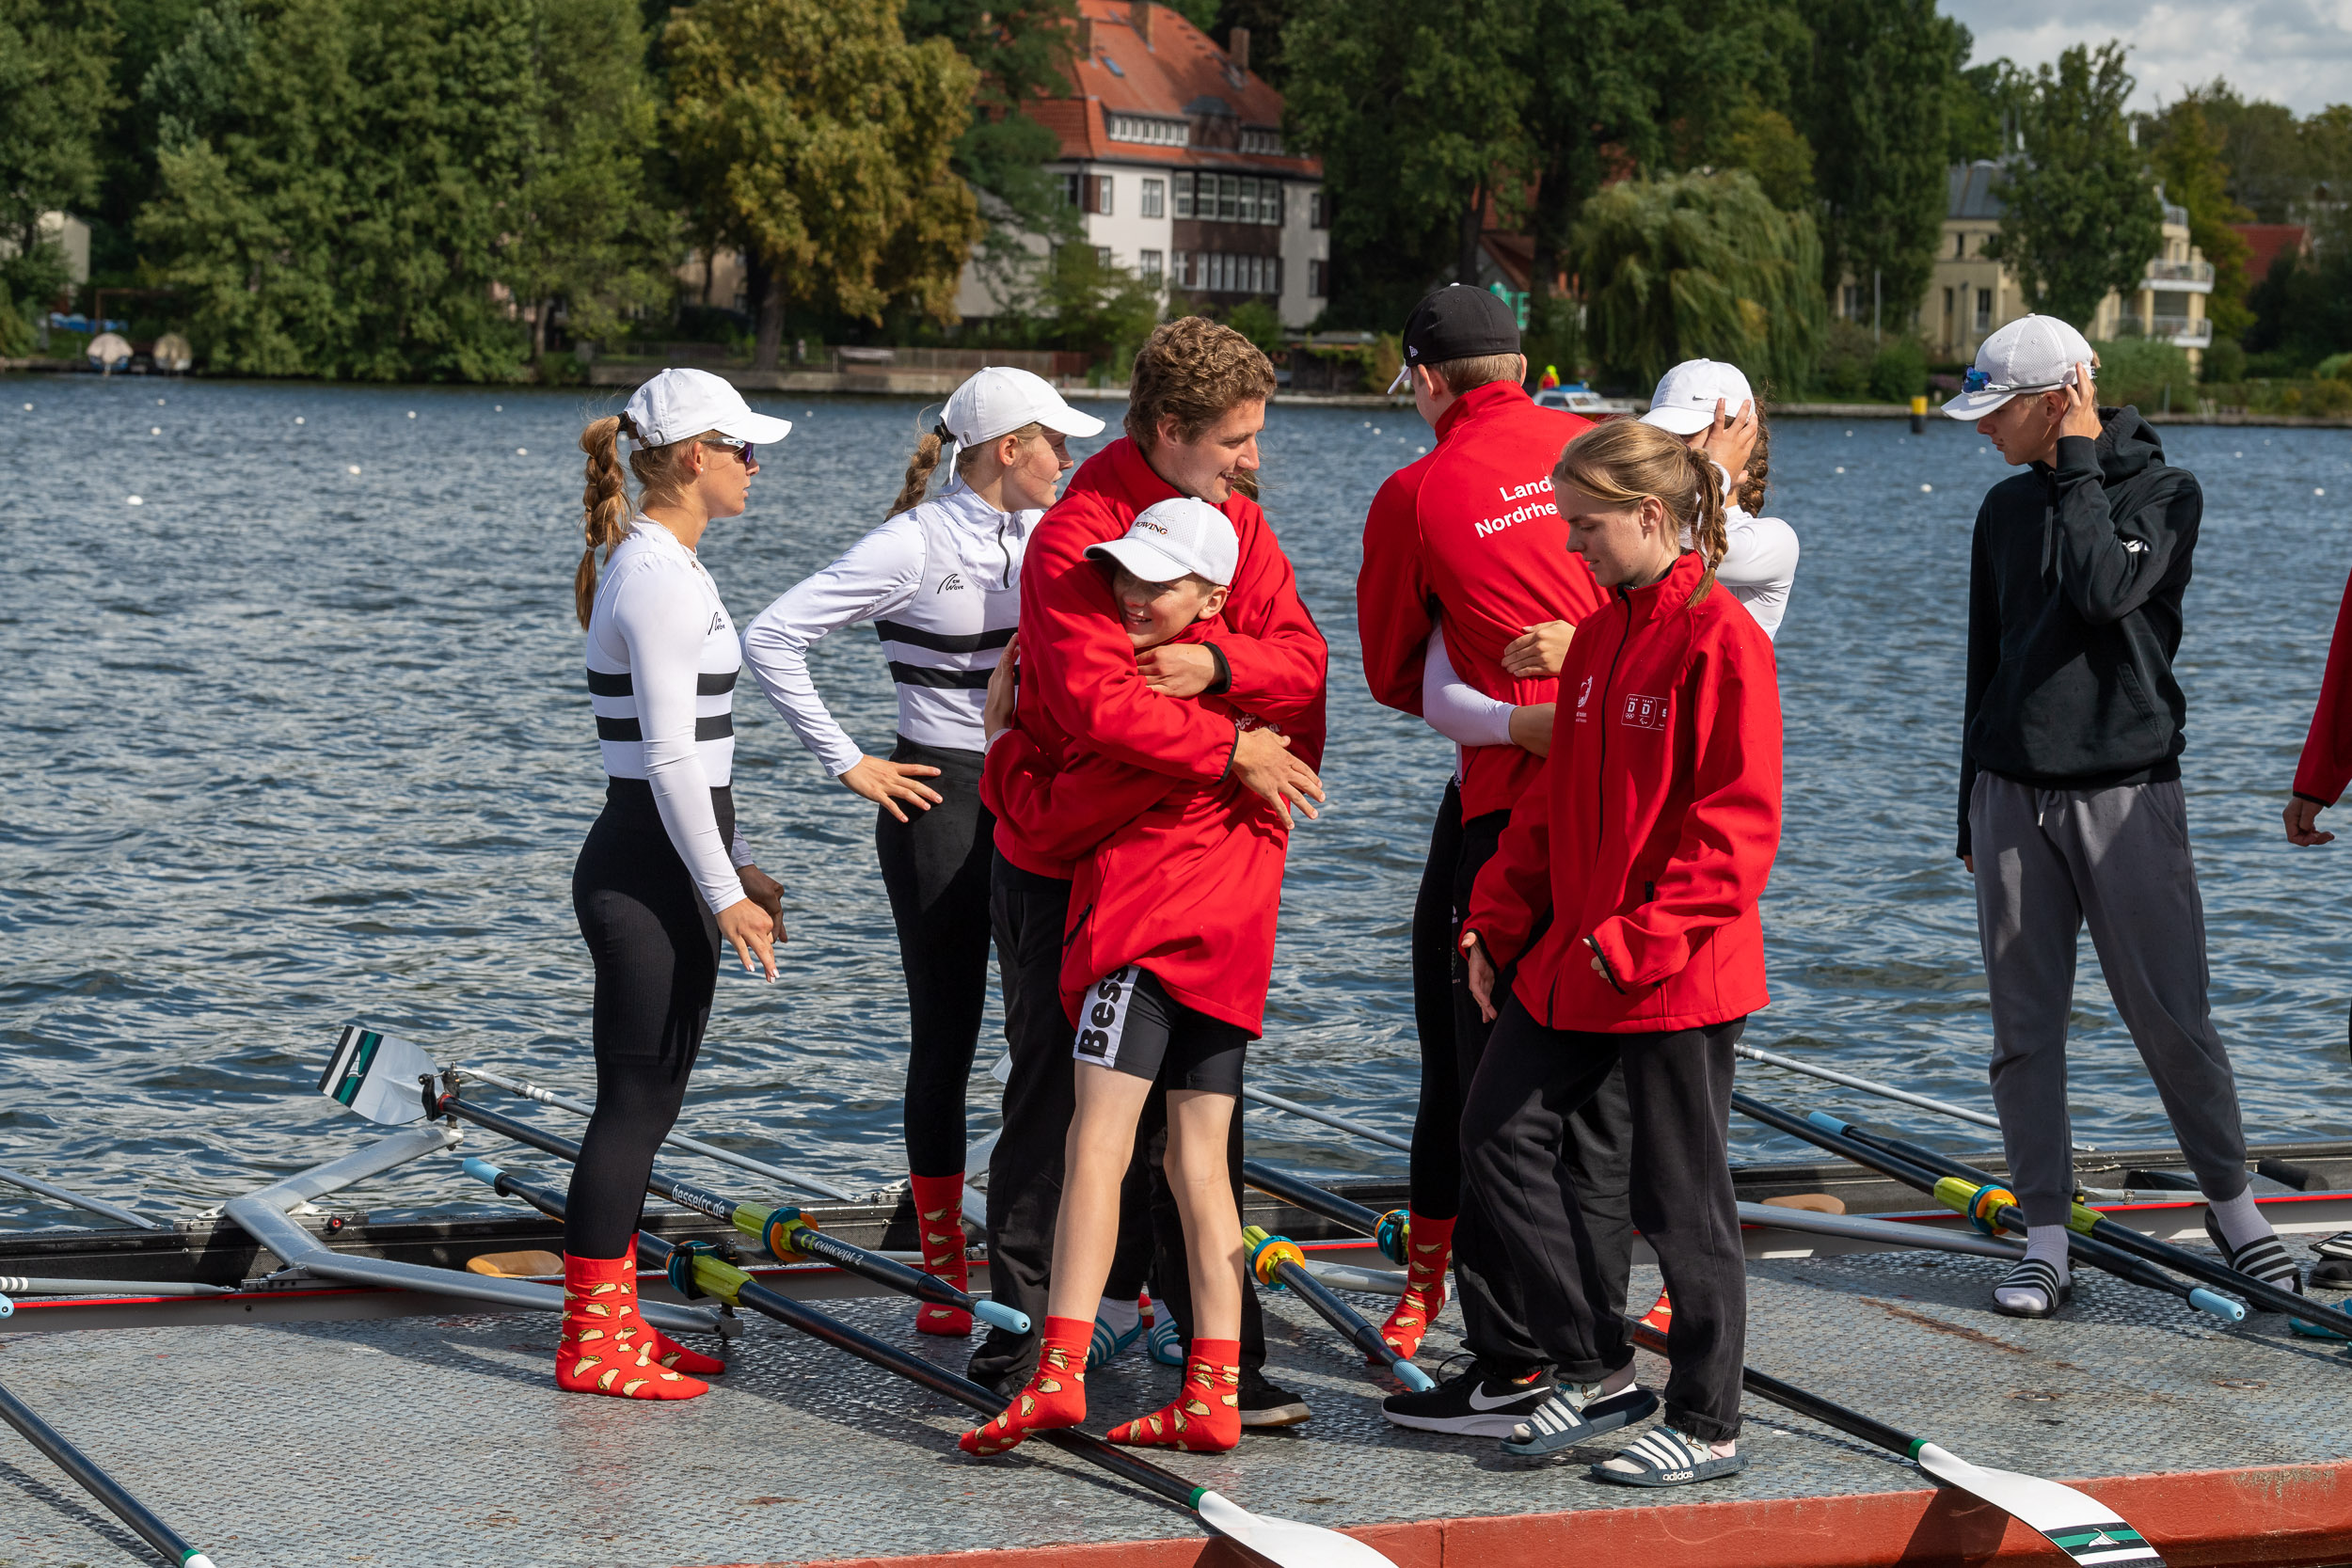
point(1163, 982)
point(1195, 405)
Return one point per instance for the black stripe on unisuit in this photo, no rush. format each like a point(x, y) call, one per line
point(947, 680)
point(601, 683)
point(715, 726)
point(941, 642)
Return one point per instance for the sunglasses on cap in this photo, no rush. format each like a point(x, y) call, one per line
point(1976, 380)
point(743, 450)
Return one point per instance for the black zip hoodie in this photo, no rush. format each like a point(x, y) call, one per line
point(2075, 586)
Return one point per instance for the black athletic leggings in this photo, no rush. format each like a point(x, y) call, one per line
point(656, 946)
point(935, 868)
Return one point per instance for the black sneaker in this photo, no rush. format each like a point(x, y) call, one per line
point(1476, 1403)
point(1264, 1405)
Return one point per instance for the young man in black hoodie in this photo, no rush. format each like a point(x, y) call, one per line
point(2070, 787)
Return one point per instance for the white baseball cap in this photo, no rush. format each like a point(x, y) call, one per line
point(2032, 354)
point(1000, 400)
point(679, 404)
point(1178, 537)
point(1684, 403)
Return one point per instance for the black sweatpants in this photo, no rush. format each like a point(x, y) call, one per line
point(1453, 1039)
point(1025, 1174)
point(1678, 1091)
point(655, 945)
point(935, 866)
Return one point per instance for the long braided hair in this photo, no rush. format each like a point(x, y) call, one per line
point(925, 461)
point(662, 474)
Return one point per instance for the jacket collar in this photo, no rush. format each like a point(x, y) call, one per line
point(1648, 602)
point(1479, 402)
point(965, 505)
point(1138, 481)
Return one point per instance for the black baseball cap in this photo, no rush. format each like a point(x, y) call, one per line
point(1456, 322)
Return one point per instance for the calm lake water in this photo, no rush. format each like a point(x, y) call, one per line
point(300, 740)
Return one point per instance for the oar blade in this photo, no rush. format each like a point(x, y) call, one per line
point(2083, 1528)
point(376, 1075)
point(1285, 1542)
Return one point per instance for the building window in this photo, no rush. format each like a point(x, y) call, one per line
point(1270, 201)
point(1066, 188)
point(1262, 141)
point(1984, 311)
point(1157, 133)
point(1318, 211)
point(1217, 272)
point(1184, 195)
point(1960, 244)
point(1103, 255)
point(1099, 194)
point(1318, 280)
point(1151, 268)
point(1155, 199)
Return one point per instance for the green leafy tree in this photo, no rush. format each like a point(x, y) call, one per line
point(1980, 110)
point(1019, 48)
point(813, 135)
point(1875, 116)
point(56, 60)
point(2080, 215)
point(2185, 148)
point(1765, 143)
point(1700, 264)
point(150, 29)
point(2264, 147)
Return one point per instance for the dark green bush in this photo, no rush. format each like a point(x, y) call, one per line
point(1898, 371)
point(2145, 373)
point(2224, 361)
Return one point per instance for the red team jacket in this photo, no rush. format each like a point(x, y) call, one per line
point(1655, 825)
point(1185, 872)
point(1469, 539)
point(2327, 764)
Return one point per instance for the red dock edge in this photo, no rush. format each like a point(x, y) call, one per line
point(2287, 1516)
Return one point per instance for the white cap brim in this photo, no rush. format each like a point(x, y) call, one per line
point(1404, 379)
point(758, 429)
point(1679, 421)
point(1067, 421)
point(1148, 563)
point(1975, 405)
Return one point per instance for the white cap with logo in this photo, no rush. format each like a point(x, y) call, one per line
point(2032, 354)
point(1178, 537)
point(1684, 403)
point(679, 404)
point(1000, 400)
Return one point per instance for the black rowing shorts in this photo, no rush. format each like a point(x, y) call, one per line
point(1129, 1023)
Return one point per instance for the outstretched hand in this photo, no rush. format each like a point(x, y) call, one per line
point(748, 929)
point(888, 782)
point(2302, 820)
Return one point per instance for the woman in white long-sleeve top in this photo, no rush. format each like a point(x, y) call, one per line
point(1710, 406)
point(940, 580)
point(664, 875)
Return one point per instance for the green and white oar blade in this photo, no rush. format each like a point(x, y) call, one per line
point(376, 1075)
point(1285, 1541)
point(2083, 1528)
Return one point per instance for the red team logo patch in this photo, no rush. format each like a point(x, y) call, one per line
point(1644, 713)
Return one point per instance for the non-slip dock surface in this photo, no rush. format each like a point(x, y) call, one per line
point(443, 1440)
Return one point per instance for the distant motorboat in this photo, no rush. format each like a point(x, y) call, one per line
point(1577, 398)
point(109, 352)
point(173, 353)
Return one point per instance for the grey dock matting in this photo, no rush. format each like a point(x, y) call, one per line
point(443, 1440)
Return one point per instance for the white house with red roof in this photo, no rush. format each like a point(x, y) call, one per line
point(1171, 152)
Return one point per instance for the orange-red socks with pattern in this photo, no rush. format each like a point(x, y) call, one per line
point(1428, 1247)
point(1206, 1417)
point(606, 1347)
point(1055, 1395)
point(939, 1224)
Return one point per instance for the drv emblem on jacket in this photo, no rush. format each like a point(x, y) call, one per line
point(1644, 713)
point(951, 583)
point(1583, 694)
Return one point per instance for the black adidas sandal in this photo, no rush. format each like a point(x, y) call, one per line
point(1557, 1424)
point(2338, 1246)
point(1666, 1457)
point(2033, 1273)
point(2266, 1258)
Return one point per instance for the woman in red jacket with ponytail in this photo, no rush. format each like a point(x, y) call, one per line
point(1622, 901)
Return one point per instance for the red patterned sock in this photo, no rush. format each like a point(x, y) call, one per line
point(606, 1347)
point(1206, 1417)
point(1055, 1395)
point(939, 1222)
point(1429, 1246)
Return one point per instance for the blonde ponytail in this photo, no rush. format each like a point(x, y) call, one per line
point(1753, 482)
point(1708, 535)
point(919, 468)
point(605, 502)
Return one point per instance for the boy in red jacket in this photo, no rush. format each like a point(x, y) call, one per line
point(1637, 946)
point(1164, 978)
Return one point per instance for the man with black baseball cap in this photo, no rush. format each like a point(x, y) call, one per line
point(1467, 570)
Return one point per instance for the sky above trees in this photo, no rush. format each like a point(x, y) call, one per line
point(2297, 52)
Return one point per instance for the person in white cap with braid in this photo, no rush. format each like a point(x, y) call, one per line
point(940, 580)
point(2071, 807)
point(664, 875)
point(1710, 406)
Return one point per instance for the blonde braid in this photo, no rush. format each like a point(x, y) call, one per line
point(605, 504)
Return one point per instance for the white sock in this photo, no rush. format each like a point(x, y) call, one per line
point(1723, 1450)
point(1121, 1315)
point(2048, 1244)
point(2240, 1221)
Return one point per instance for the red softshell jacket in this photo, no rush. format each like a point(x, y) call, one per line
point(1469, 539)
point(1187, 883)
point(2327, 764)
point(1079, 687)
point(1651, 833)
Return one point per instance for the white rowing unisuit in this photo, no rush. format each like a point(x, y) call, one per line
point(941, 584)
point(663, 659)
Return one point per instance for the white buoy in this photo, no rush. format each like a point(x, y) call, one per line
point(297, 418)
point(154, 430)
point(354, 468)
point(133, 500)
point(522, 451)
point(28, 408)
point(2232, 454)
point(1841, 467)
point(1850, 436)
point(412, 413)
point(1376, 430)
point(498, 408)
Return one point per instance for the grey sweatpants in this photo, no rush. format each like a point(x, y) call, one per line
point(2048, 859)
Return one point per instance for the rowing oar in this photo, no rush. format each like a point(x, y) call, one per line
point(1884, 1091)
point(1390, 1230)
point(24, 1287)
point(1278, 1262)
point(2083, 1528)
point(1284, 1541)
point(66, 1195)
point(2003, 1214)
point(786, 1232)
point(1968, 1193)
point(98, 1483)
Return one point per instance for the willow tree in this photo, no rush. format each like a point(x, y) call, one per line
point(812, 134)
point(1699, 265)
